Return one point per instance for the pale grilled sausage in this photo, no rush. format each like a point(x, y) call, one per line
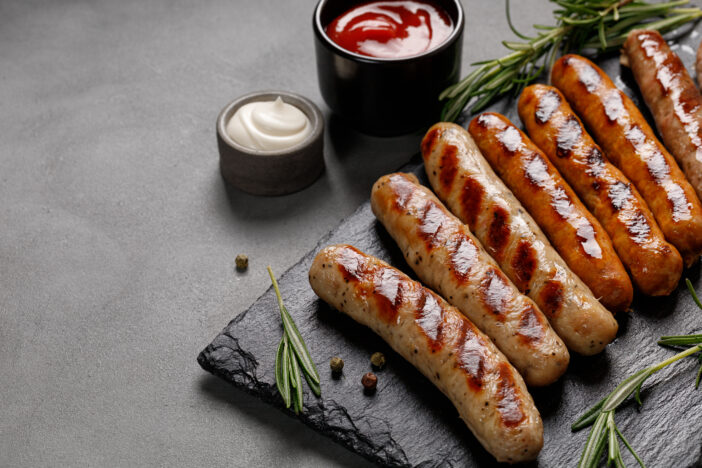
point(442, 344)
point(464, 181)
point(630, 144)
point(447, 258)
point(572, 230)
point(654, 264)
point(672, 97)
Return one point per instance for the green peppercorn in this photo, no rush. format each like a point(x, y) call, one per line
point(242, 262)
point(369, 381)
point(336, 364)
point(378, 360)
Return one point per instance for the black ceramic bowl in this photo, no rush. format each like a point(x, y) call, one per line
point(384, 96)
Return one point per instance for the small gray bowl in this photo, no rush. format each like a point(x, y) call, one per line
point(271, 172)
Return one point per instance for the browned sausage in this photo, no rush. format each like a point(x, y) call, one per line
point(442, 344)
point(447, 258)
point(629, 142)
point(465, 182)
point(573, 231)
point(672, 97)
point(655, 265)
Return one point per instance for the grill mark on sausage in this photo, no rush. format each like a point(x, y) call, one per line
point(403, 189)
point(429, 316)
point(638, 227)
point(686, 102)
point(656, 164)
point(531, 328)
point(388, 285)
point(548, 104)
point(463, 256)
point(569, 135)
point(448, 167)
point(509, 405)
point(429, 141)
point(430, 222)
point(613, 106)
point(523, 265)
point(472, 200)
point(595, 164)
point(588, 242)
point(484, 120)
point(499, 231)
point(551, 298)
point(536, 171)
point(659, 170)
point(669, 67)
point(495, 292)
point(471, 356)
point(679, 203)
point(388, 293)
point(510, 139)
point(620, 195)
point(351, 264)
point(588, 76)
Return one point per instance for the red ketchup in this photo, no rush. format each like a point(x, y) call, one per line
point(391, 28)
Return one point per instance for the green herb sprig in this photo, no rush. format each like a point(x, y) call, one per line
point(604, 432)
point(580, 24)
point(292, 355)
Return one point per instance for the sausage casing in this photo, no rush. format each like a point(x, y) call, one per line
point(464, 181)
point(629, 142)
point(573, 231)
point(672, 97)
point(442, 344)
point(447, 258)
point(654, 264)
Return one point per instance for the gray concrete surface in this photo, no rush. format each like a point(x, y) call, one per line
point(118, 237)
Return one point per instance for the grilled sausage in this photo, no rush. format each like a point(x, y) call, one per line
point(573, 231)
point(442, 344)
point(447, 258)
point(654, 264)
point(464, 181)
point(629, 142)
point(672, 97)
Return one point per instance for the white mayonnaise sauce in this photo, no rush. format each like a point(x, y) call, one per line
point(269, 125)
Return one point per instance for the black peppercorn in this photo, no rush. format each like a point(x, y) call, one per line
point(378, 360)
point(336, 364)
point(242, 262)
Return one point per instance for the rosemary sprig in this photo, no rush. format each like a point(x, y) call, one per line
point(604, 430)
point(292, 355)
point(580, 24)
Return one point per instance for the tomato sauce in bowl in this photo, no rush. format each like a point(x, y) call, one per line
point(391, 28)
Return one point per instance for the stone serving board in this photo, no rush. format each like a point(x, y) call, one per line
point(408, 422)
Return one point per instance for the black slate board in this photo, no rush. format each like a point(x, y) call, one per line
point(410, 423)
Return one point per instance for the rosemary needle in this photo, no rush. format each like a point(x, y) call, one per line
point(692, 291)
point(282, 375)
point(296, 383)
